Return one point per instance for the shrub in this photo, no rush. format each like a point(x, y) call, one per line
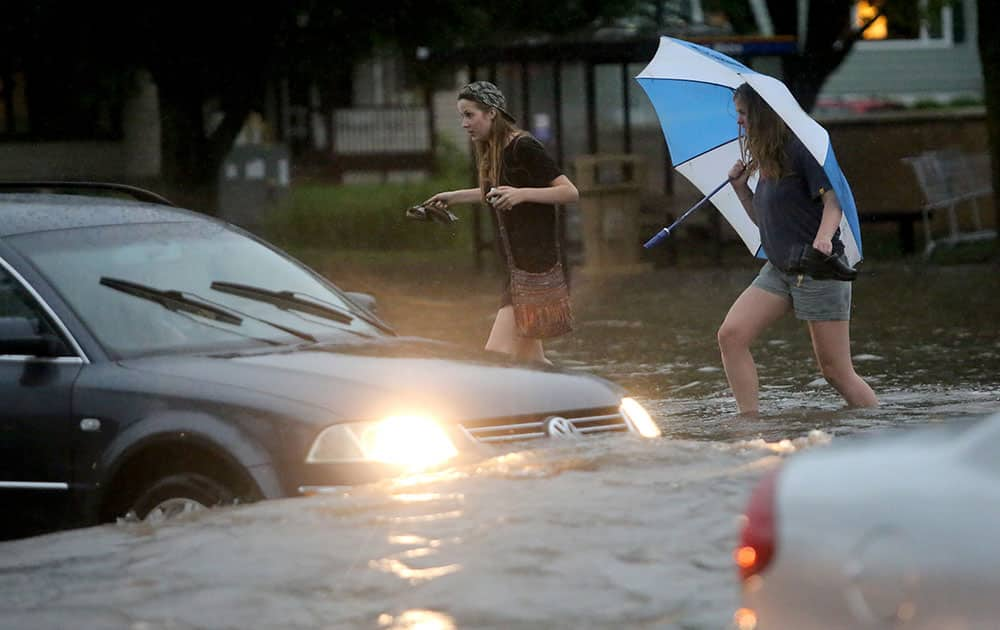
point(371, 216)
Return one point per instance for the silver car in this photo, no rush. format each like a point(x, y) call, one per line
point(899, 531)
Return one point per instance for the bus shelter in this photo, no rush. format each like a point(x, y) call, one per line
point(578, 96)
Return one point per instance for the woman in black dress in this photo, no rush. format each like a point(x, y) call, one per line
point(519, 179)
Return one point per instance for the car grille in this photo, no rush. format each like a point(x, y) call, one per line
point(585, 421)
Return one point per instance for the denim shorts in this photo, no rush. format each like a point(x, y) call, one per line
point(813, 300)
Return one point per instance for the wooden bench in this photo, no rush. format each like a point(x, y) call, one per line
point(904, 218)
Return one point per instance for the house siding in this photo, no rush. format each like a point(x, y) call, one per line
point(908, 74)
point(933, 71)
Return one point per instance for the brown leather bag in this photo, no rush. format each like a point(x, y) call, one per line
point(541, 301)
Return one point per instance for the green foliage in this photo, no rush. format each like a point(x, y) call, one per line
point(967, 253)
point(453, 164)
point(966, 101)
point(372, 215)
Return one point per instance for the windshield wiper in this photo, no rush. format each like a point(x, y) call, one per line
point(178, 301)
point(173, 300)
point(286, 300)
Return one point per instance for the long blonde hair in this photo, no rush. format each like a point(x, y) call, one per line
point(489, 151)
point(763, 146)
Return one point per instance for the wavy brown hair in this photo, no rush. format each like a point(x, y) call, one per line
point(489, 151)
point(762, 144)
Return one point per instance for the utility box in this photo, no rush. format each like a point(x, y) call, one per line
point(610, 186)
point(253, 179)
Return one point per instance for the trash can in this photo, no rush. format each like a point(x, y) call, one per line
point(610, 186)
point(253, 179)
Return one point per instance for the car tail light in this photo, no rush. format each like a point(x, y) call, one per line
point(757, 537)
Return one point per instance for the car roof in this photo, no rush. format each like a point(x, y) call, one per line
point(21, 213)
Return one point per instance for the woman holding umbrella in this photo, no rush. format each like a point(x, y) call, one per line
point(795, 208)
point(523, 185)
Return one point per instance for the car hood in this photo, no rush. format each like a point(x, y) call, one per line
point(374, 379)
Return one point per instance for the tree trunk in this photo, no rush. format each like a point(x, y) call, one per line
point(192, 158)
point(184, 169)
point(804, 77)
point(190, 75)
point(989, 56)
point(828, 40)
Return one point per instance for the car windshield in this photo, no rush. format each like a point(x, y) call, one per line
point(168, 287)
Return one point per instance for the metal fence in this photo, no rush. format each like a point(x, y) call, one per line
point(382, 140)
point(381, 130)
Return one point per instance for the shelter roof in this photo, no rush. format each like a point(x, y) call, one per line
point(603, 47)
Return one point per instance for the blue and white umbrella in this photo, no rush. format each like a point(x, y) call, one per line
point(691, 88)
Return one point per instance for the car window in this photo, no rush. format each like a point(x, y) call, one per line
point(186, 258)
point(16, 302)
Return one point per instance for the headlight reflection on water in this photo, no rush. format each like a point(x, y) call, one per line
point(416, 620)
point(745, 619)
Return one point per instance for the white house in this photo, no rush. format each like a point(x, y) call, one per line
point(934, 58)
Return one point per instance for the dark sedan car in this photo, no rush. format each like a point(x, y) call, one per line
point(154, 360)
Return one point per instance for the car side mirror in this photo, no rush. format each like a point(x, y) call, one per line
point(19, 337)
point(364, 300)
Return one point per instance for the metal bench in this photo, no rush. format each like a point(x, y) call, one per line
point(952, 181)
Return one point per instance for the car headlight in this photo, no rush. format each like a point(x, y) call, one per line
point(414, 442)
point(639, 418)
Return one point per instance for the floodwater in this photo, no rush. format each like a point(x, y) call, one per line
point(600, 533)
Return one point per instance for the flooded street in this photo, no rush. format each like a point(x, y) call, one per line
point(598, 533)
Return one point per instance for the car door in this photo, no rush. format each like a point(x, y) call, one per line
point(36, 424)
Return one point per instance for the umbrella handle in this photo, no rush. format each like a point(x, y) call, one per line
point(665, 232)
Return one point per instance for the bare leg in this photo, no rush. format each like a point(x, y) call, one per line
point(504, 338)
point(751, 313)
point(832, 345)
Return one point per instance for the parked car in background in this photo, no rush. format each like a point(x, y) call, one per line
point(894, 532)
point(154, 360)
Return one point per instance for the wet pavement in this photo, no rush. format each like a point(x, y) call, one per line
point(603, 533)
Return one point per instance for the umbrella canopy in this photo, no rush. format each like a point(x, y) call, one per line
point(691, 88)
